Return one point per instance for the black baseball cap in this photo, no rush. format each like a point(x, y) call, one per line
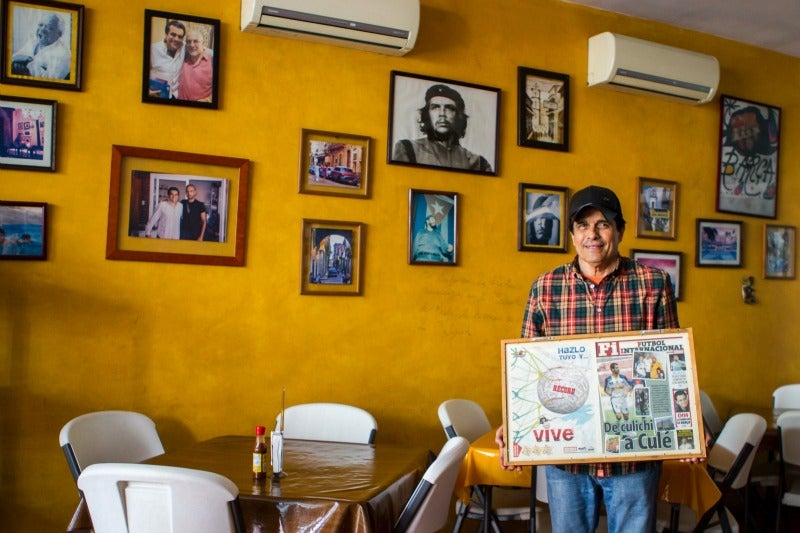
point(600, 198)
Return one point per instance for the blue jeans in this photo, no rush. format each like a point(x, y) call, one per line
point(630, 499)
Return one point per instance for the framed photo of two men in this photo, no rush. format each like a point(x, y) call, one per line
point(443, 124)
point(181, 60)
point(42, 44)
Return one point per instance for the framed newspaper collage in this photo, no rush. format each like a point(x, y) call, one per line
point(601, 398)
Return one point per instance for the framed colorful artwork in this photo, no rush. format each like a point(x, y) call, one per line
point(719, 243)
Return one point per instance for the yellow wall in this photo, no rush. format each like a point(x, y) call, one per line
point(205, 350)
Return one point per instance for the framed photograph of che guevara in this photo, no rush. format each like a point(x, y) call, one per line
point(41, 44)
point(443, 124)
point(542, 220)
point(181, 60)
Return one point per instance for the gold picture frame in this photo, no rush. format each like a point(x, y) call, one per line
point(331, 257)
point(335, 164)
point(656, 202)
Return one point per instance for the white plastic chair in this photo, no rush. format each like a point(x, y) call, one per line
point(786, 397)
point(138, 498)
point(789, 437)
point(108, 436)
point(711, 419)
point(333, 422)
point(465, 418)
point(427, 509)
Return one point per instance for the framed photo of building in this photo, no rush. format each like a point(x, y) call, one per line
point(656, 208)
point(332, 257)
point(27, 133)
point(23, 230)
point(42, 44)
point(176, 207)
point(780, 252)
point(181, 60)
point(719, 243)
point(443, 124)
point(335, 164)
point(432, 228)
point(601, 398)
point(749, 144)
point(670, 262)
point(542, 219)
point(542, 109)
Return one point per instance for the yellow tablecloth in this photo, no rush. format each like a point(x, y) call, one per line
point(688, 484)
point(481, 466)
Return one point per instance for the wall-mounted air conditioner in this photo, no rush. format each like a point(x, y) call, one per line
point(633, 65)
point(383, 26)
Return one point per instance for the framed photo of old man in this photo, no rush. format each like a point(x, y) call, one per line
point(181, 60)
point(42, 44)
point(443, 124)
point(543, 109)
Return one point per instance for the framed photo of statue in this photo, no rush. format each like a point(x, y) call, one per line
point(181, 60)
point(542, 221)
point(42, 44)
point(443, 124)
point(432, 228)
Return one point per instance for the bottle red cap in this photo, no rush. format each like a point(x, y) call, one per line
point(260, 430)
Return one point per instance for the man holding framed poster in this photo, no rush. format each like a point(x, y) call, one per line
point(599, 292)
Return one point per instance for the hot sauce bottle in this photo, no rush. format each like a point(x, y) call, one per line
point(260, 454)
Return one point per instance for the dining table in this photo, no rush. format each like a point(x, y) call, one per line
point(682, 482)
point(325, 486)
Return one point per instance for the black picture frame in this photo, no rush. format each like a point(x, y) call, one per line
point(436, 243)
point(30, 141)
point(719, 243)
point(670, 262)
point(476, 110)
point(61, 66)
point(24, 230)
point(542, 222)
point(749, 145)
point(542, 109)
point(161, 76)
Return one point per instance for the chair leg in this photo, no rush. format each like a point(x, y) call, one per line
point(462, 513)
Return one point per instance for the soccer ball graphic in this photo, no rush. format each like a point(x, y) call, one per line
point(563, 390)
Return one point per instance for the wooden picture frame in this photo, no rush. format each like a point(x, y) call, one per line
point(749, 144)
point(780, 252)
point(335, 164)
point(467, 115)
point(432, 228)
point(670, 262)
point(23, 231)
point(542, 109)
point(332, 253)
point(561, 396)
point(656, 216)
point(29, 143)
point(542, 221)
point(51, 58)
point(718, 243)
point(141, 229)
point(169, 75)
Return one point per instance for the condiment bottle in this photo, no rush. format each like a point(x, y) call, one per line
point(260, 454)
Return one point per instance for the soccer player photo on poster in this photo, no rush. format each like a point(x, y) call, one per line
point(612, 397)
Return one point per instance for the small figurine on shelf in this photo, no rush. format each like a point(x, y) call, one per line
point(748, 291)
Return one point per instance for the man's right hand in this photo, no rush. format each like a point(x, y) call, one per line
point(498, 438)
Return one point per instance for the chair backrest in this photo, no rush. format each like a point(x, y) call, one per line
point(134, 498)
point(786, 397)
point(429, 505)
point(713, 423)
point(108, 437)
point(333, 422)
point(789, 432)
point(463, 418)
point(734, 450)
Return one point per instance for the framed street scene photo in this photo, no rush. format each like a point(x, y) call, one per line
point(655, 208)
point(23, 230)
point(603, 398)
point(542, 219)
point(749, 142)
point(719, 243)
point(443, 124)
point(181, 60)
point(542, 109)
point(780, 252)
point(28, 134)
point(42, 44)
point(176, 207)
point(332, 256)
point(335, 164)
point(432, 227)
point(670, 262)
